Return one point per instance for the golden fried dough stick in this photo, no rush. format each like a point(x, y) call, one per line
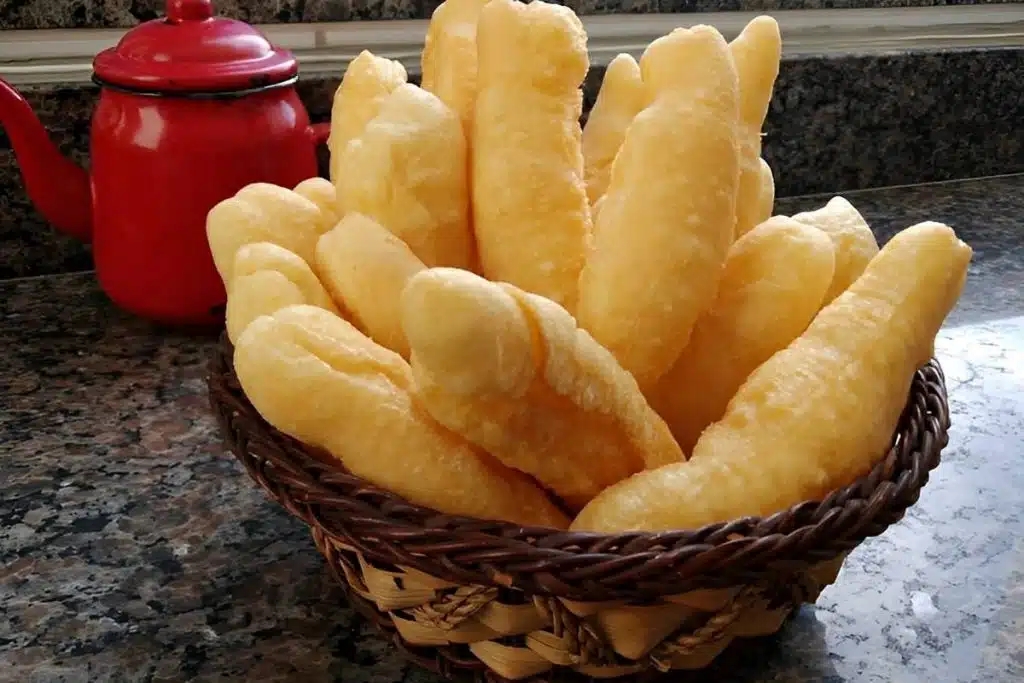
point(413, 176)
point(321, 192)
point(766, 199)
point(318, 379)
point(530, 209)
point(667, 218)
point(367, 81)
point(757, 51)
point(266, 278)
point(449, 60)
point(773, 283)
point(262, 212)
point(512, 373)
point(817, 414)
point(619, 100)
point(854, 242)
point(365, 268)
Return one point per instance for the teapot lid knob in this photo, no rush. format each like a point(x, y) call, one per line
point(188, 10)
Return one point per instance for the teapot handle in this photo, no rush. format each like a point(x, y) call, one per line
point(318, 133)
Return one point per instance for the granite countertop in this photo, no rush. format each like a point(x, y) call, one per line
point(133, 549)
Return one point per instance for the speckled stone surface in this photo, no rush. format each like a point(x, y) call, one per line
point(132, 549)
point(34, 14)
point(872, 121)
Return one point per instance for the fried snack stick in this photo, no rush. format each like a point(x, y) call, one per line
point(413, 176)
point(854, 242)
point(365, 268)
point(773, 282)
point(619, 100)
point(262, 212)
point(511, 372)
point(817, 414)
point(667, 219)
point(448, 62)
point(367, 81)
point(531, 214)
point(757, 51)
point(766, 200)
point(318, 379)
point(266, 278)
point(321, 192)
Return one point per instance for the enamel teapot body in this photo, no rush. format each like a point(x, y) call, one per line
point(159, 164)
point(182, 123)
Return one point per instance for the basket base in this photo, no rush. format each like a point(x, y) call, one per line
point(477, 633)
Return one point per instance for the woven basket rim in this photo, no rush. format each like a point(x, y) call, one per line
point(635, 566)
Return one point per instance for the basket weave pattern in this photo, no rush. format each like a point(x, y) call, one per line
point(497, 600)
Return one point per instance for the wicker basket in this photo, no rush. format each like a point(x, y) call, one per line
point(498, 601)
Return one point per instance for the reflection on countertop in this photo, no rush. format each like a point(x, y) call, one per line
point(132, 549)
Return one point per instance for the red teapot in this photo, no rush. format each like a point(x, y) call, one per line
point(192, 108)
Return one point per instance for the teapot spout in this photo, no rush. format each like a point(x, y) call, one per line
point(59, 188)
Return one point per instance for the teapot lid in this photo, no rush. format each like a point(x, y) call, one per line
point(192, 51)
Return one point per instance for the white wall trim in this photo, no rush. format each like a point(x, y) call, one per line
point(65, 56)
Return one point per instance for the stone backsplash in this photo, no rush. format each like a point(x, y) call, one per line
point(835, 124)
point(42, 14)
